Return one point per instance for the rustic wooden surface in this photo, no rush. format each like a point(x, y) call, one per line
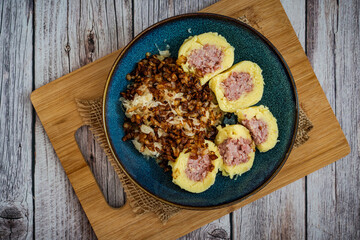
point(55, 105)
point(16, 120)
point(43, 41)
point(334, 50)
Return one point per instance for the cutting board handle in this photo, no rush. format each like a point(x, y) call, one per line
point(86, 187)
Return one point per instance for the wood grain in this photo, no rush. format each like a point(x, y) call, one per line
point(56, 205)
point(62, 122)
point(84, 31)
point(333, 50)
point(280, 214)
point(321, 28)
point(347, 109)
point(16, 116)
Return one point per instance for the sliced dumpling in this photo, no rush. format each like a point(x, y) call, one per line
point(206, 55)
point(262, 126)
point(236, 148)
point(196, 173)
point(239, 87)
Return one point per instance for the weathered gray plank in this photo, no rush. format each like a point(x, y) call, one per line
point(321, 195)
point(333, 49)
point(347, 87)
point(147, 13)
point(216, 230)
point(282, 213)
point(68, 35)
point(16, 119)
point(97, 28)
point(58, 213)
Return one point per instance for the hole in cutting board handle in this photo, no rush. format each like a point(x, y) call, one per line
point(100, 167)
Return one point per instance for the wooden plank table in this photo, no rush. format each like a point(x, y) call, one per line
point(44, 40)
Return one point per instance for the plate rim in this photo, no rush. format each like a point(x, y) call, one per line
point(221, 17)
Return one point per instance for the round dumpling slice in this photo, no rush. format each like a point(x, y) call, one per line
point(262, 126)
point(206, 55)
point(239, 87)
point(196, 175)
point(236, 148)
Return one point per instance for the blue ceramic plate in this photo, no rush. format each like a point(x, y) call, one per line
point(279, 95)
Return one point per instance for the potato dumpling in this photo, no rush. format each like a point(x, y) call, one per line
point(236, 149)
point(239, 87)
point(191, 174)
point(207, 55)
point(262, 126)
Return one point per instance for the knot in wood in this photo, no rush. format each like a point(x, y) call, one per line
point(13, 221)
point(11, 212)
point(91, 42)
point(67, 48)
point(219, 233)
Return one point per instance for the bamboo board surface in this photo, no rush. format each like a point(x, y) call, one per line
point(56, 109)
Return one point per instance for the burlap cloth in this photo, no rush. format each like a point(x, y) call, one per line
point(140, 201)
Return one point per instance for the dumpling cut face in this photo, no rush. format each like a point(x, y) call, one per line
point(198, 167)
point(236, 85)
point(236, 148)
point(262, 126)
point(206, 59)
point(235, 151)
point(196, 173)
point(206, 55)
point(239, 87)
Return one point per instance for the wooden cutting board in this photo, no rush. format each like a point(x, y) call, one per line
point(56, 108)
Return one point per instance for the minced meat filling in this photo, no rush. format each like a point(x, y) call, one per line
point(235, 151)
point(206, 59)
point(198, 167)
point(237, 84)
point(258, 129)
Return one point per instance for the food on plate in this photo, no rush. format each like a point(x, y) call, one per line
point(262, 126)
point(206, 55)
point(173, 116)
point(236, 148)
point(196, 172)
point(167, 110)
point(239, 87)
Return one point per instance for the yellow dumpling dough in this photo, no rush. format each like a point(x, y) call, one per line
point(198, 42)
point(246, 98)
point(181, 179)
point(235, 132)
point(262, 113)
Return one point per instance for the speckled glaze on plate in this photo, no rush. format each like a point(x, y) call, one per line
point(279, 95)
